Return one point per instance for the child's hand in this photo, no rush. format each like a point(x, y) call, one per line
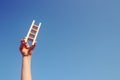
point(25, 49)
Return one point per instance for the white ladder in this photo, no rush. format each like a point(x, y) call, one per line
point(33, 32)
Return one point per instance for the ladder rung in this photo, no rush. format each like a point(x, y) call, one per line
point(30, 39)
point(32, 35)
point(35, 27)
point(33, 31)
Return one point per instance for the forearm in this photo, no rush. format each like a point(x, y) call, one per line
point(26, 68)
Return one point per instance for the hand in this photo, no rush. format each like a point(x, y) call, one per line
point(25, 49)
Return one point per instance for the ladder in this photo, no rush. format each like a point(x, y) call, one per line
point(33, 32)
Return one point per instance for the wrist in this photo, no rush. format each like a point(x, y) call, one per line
point(27, 57)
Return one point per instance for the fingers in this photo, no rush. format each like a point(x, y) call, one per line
point(33, 46)
point(24, 44)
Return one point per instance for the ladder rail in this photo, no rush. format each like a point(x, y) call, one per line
point(29, 31)
point(36, 33)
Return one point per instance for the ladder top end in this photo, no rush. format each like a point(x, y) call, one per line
point(33, 21)
point(40, 24)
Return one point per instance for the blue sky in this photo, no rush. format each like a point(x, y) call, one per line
point(78, 40)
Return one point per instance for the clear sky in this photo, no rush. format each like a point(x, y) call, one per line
point(78, 40)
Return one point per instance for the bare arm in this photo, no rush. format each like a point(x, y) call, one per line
point(26, 69)
point(26, 52)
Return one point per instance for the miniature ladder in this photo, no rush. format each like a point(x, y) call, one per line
point(33, 32)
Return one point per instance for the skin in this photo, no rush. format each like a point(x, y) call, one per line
point(26, 52)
